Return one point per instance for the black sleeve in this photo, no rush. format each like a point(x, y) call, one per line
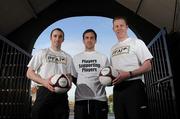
point(74, 80)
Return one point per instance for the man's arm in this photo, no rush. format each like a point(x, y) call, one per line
point(37, 78)
point(145, 67)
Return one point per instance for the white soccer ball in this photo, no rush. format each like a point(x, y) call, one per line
point(61, 83)
point(107, 75)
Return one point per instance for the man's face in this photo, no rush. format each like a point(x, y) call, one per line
point(120, 28)
point(57, 38)
point(89, 41)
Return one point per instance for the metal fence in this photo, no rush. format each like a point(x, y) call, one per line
point(15, 99)
point(159, 82)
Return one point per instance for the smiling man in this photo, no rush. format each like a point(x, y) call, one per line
point(43, 65)
point(90, 95)
point(131, 57)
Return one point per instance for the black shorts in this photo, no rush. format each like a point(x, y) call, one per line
point(50, 105)
point(130, 100)
point(91, 109)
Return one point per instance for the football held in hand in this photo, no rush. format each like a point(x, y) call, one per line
point(107, 75)
point(61, 83)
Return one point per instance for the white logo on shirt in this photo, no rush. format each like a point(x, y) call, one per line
point(56, 59)
point(121, 50)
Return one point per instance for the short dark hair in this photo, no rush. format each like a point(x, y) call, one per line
point(58, 29)
point(90, 30)
point(120, 17)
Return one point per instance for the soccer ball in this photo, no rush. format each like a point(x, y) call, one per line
point(107, 74)
point(61, 83)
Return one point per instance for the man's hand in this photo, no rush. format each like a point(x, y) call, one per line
point(121, 76)
point(48, 84)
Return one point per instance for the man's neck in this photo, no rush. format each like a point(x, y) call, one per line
point(89, 50)
point(56, 48)
point(122, 38)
